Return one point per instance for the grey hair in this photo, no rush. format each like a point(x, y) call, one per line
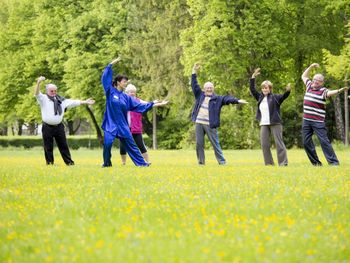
point(50, 85)
point(130, 88)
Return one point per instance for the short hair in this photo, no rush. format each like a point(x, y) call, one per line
point(119, 78)
point(50, 85)
point(268, 83)
point(130, 88)
point(318, 77)
point(206, 84)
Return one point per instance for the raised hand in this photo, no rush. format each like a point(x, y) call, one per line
point(288, 87)
point(314, 65)
point(41, 78)
point(196, 67)
point(116, 60)
point(256, 73)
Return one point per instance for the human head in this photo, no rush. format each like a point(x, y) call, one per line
point(51, 89)
point(266, 87)
point(120, 81)
point(317, 81)
point(208, 88)
point(130, 90)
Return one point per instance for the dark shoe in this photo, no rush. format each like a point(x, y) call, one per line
point(105, 166)
point(70, 164)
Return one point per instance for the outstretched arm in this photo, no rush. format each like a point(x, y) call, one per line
point(37, 87)
point(107, 76)
point(306, 73)
point(331, 93)
point(160, 103)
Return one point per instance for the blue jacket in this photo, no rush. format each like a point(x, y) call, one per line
point(118, 103)
point(215, 103)
point(274, 102)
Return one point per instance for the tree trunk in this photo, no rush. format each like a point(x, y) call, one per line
point(3, 129)
point(70, 125)
point(97, 127)
point(31, 128)
point(20, 124)
point(155, 146)
point(339, 123)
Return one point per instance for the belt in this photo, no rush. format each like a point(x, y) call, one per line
point(50, 125)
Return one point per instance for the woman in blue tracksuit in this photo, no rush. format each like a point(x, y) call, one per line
point(206, 115)
point(115, 123)
point(269, 116)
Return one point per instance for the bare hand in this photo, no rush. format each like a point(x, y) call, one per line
point(288, 87)
point(116, 60)
point(89, 101)
point(256, 73)
point(242, 102)
point(196, 67)
point(161, 103)
point(41, 78)
point(343, 89)
point(314, 65)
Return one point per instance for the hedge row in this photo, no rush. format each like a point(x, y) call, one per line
point(30, 142)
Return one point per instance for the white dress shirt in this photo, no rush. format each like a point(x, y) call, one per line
point(47, 108)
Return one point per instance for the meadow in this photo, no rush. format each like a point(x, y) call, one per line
point(174, 210)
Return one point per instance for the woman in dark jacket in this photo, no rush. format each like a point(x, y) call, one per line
point(269, 116)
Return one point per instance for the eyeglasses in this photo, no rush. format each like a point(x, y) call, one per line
point(318, 80)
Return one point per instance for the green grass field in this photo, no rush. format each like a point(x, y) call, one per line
point(175, 210)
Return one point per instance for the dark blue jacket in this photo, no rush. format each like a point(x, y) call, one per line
point(274, 102)
point(215, 103)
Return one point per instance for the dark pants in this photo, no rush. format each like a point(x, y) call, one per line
point(309, 127)
point(50, 132)
point(201, 130)
point(139, 142)
point(130, 147)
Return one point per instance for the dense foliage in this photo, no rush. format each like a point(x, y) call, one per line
point(70, 42)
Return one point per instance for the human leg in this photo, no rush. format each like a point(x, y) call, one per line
point(214, 140)
point(141, 145)
point(265, 144)
point(307, 132)
point(47, 135)
point(134, 152)
point(122, 152)
point(200, 143)
point(280, 146)
point(61, 141)
point(321, 132)
point(107, 148)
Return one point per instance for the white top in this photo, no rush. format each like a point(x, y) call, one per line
point(265, 112)
point(47, 108)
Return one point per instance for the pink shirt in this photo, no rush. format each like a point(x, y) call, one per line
point(135, 121)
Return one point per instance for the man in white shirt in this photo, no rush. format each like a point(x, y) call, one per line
point(52, 110)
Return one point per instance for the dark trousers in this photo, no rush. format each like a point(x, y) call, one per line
point(309, 127)
point(56, 132)
point(139, 142)
point(130, 147)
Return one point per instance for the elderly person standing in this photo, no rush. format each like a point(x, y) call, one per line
point(206, 115)
point(269, 116)
point(115, 123)
point(52, 108)
point(314, 117)
point(135, 124)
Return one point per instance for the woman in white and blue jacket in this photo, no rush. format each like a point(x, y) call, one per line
point(269, 117)
point(206, 115)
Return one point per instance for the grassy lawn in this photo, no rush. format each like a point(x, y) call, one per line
point(175, 210)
